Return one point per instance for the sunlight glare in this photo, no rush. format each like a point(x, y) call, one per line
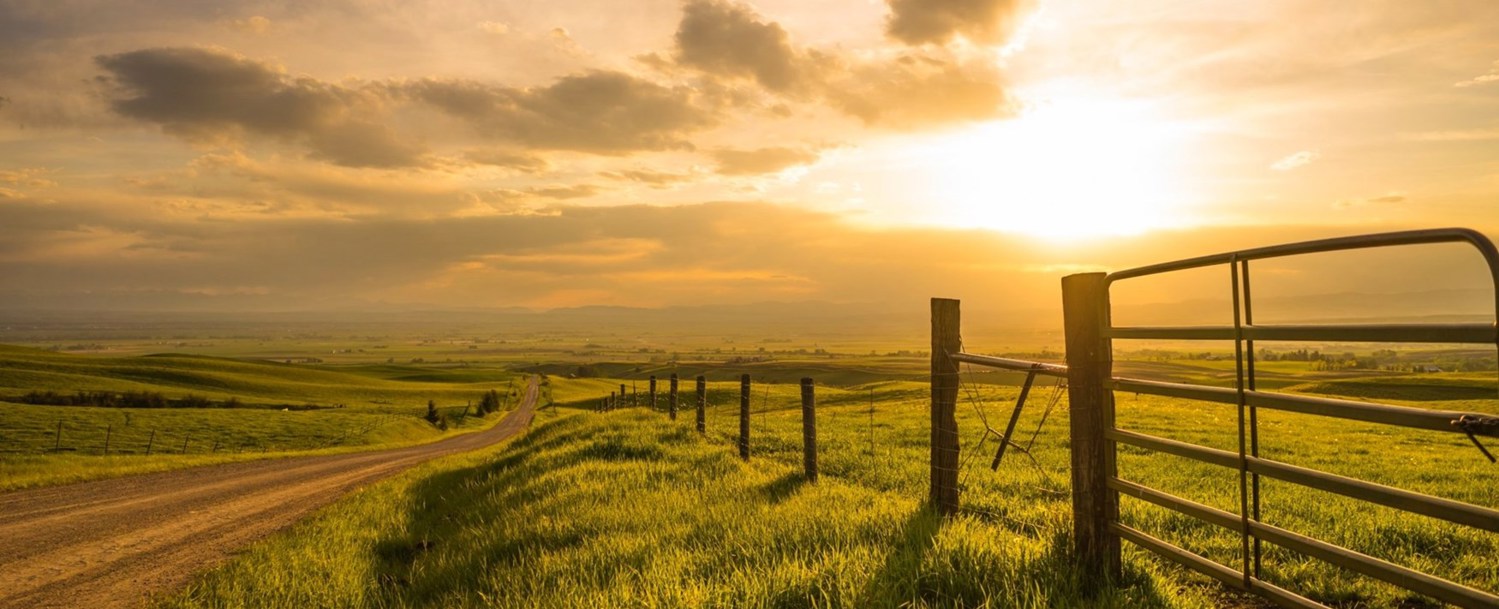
point(1061, 171)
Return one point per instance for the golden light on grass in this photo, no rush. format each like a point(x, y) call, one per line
point(1065, 171)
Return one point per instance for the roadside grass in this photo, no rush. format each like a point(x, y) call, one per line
point(378, 412)
point(191, 437)
point(626, 509)
point(629, 509)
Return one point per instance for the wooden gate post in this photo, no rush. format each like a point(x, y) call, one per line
point(702, 404)
point(1085, 315)
point(671, 399)
point(744, 404)
point(946, 339)
point(653, 392)
point(809, 429)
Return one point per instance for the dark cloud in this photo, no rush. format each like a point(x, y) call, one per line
point(762, 160)
point(206, 94)
point(988, 22)
point(917, 90)
point(729, 39)
point(210, 95)
point(601, 112)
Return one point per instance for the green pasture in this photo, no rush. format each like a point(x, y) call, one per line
point(627, 508)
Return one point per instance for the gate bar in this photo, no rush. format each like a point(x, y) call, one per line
point(1436, 507)
point(1403, 577)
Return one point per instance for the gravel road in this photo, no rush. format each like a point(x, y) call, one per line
point(111, 543)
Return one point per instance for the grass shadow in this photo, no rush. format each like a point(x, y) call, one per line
point(783, 488)
point(899, 575)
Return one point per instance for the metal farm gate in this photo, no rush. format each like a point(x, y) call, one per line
point(1096, 484)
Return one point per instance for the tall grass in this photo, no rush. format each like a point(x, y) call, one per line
point(628, 509)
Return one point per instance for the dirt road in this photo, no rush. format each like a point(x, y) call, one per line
point(109, 543)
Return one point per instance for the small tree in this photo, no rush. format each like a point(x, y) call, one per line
point(432, 412)
point(490, 402)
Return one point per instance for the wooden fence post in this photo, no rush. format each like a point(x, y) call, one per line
point(1085, 315)
point(151, 442)
point(184, 444)
point(653, 392)
point(946, 339)
point(809, 429)
point(108, 432)
point(57, 446)
point(744, 404)
point(702, 404)
point(671, 398)
point(621, 395)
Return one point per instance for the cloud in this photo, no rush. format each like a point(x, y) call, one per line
point(31, 177)
point(1295, 160)
point(654, 179)
point(525, 163)
point(761, 160)
point(1463, 135)
point(1390, 198)
point(562, 193)
point(916, 90)
point(209, 95)
point(498, 28)
point(729, 39)
point(985, 22)
point(254, 24)
point(1491, 76)
point(601, 112)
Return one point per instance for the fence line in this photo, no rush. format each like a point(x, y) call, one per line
point(1096, 484)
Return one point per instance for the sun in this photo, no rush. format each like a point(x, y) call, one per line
point(1060, 171)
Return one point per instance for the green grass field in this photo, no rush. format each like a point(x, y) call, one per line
point(629, 509)
point(283, 409)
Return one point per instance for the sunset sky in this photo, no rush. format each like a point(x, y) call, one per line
point(178, 154)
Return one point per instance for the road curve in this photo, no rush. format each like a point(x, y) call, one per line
point(111, 543)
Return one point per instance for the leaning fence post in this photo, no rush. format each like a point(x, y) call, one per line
point(1085, 315)
point(653, 392)
point(946, 340)
point(809, 430)
point(57, 446)
point(744, 404)
point(184, 444)
point(671, 400)
point(702, 404)
point(108, 432)
point(151, 442)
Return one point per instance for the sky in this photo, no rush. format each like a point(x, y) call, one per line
point(347, 154)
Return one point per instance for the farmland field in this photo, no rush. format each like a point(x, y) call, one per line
point(627, 508)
